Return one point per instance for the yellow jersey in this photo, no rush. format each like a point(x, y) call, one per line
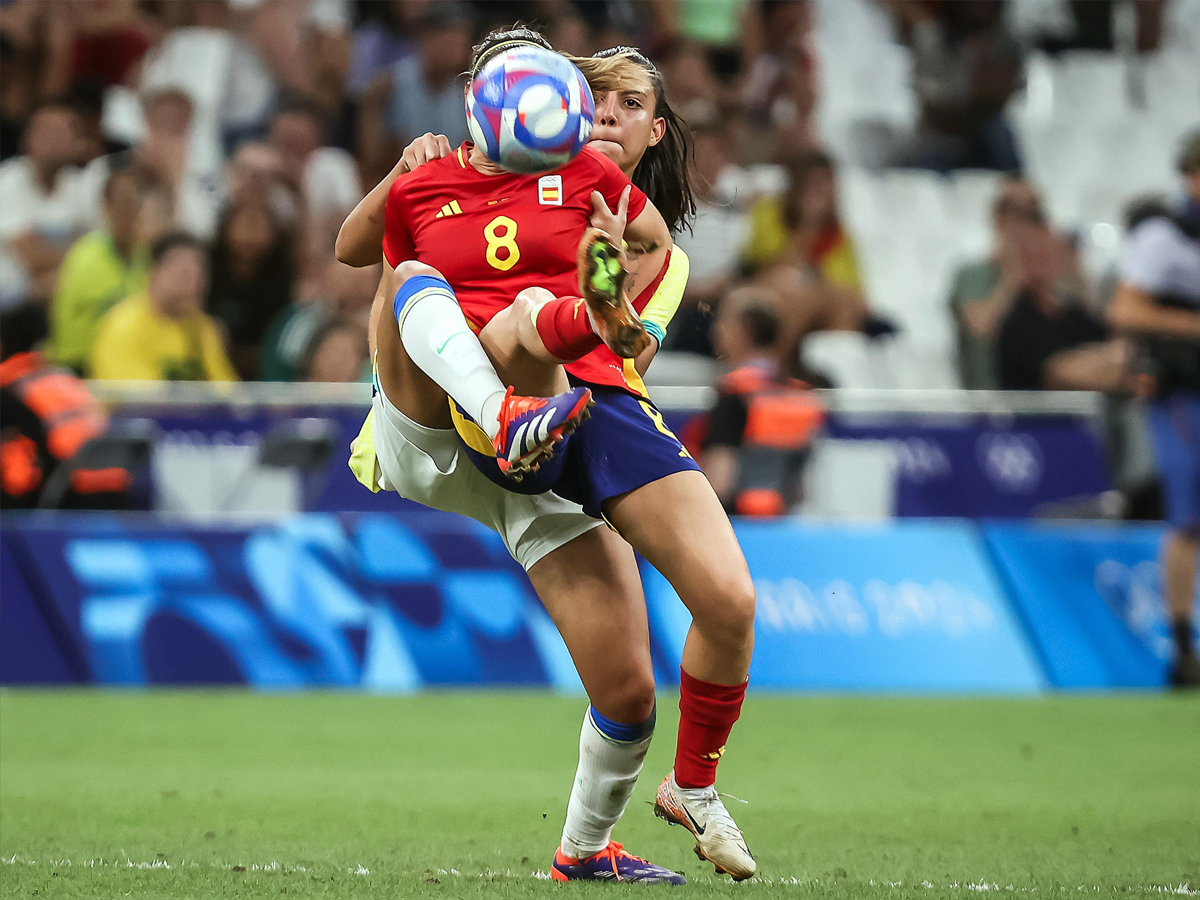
point(135, 342)
point(93, 278)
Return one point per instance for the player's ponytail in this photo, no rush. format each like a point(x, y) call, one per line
point(663, 173)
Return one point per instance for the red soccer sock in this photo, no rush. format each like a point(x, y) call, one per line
point(565, 329)
point(707, 712)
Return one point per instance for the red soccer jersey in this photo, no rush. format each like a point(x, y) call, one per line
point(492, 236)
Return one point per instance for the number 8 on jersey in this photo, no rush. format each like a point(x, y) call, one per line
point(501, 234)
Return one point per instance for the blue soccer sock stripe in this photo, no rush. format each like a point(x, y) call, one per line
point(419, 286)
point(621, 732)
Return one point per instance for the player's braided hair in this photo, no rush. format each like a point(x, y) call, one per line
point(496, 41)
point(662, 173)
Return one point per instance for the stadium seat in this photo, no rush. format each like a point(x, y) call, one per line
point(1090, 87)
point(1030, 20)
point(921, 363)
point(861, 201)
point(675, 368)
point(867, 104)
point(1170, 86)
point(969, 205)
point(849, 359)
point(847, 479)
point(121, 118)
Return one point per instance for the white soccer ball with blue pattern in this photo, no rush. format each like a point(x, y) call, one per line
point(530, 109)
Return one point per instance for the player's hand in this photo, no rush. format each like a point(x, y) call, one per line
point(426, 148)
point(608, 221)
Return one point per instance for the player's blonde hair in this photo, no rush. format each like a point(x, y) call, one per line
point(662, 173)
point(620, 72)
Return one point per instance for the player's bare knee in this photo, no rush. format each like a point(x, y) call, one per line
point(638, 697)
point(533, 297)
point(728, 617)
point(632, 703)
point(411, 268)
point(525, 306)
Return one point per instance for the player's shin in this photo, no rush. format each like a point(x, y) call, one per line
point(687, 796)
point(610, 760)
point(707, 713)
point(565, 328)
point(437, 337)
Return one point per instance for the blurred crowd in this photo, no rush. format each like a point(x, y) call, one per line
point(174, 171)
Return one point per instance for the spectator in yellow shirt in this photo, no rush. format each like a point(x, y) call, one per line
point(162, 333)
point(805, 254)
point(101, 269)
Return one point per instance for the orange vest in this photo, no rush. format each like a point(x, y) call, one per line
point(782, 417)
point(71, 417)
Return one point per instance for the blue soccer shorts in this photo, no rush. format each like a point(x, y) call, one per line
point(1175, 423)
point(622, 446)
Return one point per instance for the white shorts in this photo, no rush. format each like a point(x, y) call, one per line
point(427, 465)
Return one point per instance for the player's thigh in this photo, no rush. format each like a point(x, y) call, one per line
point(678, 524)
point(508, 339)
point(593, 592)
point(408, 388)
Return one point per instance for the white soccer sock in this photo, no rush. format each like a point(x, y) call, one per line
point(604, 782)
point(437, 337)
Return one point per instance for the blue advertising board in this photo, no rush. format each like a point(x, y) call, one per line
point(380, 602)
point(400, 601)
point(1090, 596)
point(912, 607)
point(981, 468)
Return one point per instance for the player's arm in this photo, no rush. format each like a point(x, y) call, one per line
point(359, 241)
point(648, 235)
point(664, 302)
point(649, 271)
point(1134, 311)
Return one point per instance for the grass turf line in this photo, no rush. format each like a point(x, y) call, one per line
point(231, 794)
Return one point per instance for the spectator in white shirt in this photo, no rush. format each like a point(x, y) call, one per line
point(39, 209)
point(327, 177)
point(162, 161)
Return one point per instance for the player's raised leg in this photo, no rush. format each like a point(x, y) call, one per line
point(678, 524)
point(540, 330)
point(592, 590)
point(437, 337)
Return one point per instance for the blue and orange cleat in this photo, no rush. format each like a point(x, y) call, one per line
point(531, 428)
point(611, 864)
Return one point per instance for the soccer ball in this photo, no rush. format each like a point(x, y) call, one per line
point(530, 110)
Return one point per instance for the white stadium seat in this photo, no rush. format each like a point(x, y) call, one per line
point(1096, 130)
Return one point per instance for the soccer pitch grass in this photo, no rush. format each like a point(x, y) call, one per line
point(231, 794)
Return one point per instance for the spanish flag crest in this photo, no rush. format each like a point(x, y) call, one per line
point(550, 190)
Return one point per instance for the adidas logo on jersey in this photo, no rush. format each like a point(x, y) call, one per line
point(450, 209)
